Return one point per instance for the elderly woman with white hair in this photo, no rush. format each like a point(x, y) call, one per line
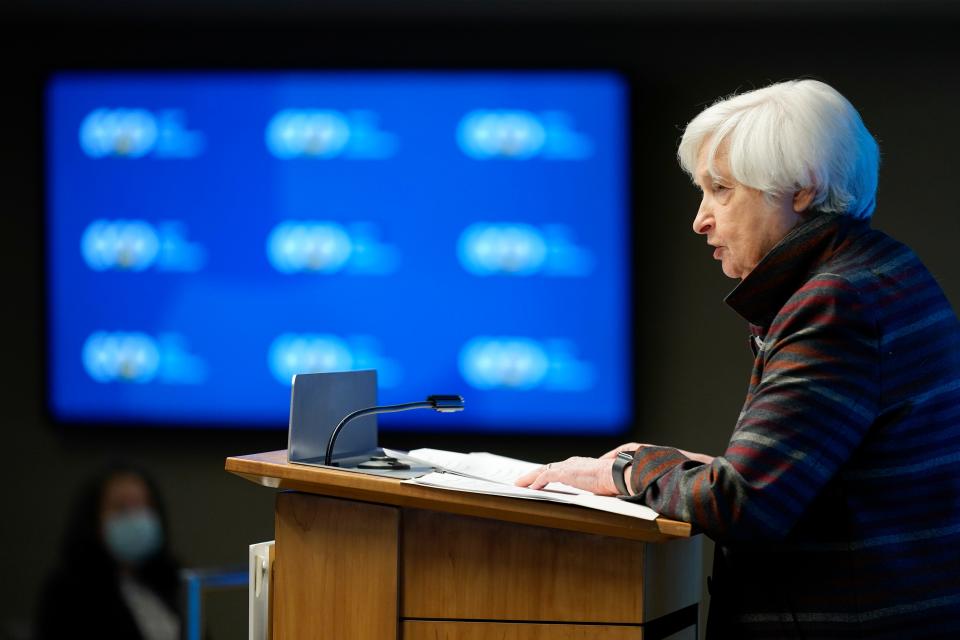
point(836, 505)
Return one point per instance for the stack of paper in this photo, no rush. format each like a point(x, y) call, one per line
point(495, 475)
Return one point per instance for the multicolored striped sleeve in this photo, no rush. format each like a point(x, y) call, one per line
point(813, 396)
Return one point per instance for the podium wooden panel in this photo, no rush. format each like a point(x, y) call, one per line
point(516, 572)
point(416, 630)
point(321, 540)
point(361, 556)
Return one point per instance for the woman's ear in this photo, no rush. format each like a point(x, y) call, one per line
point(802, 199)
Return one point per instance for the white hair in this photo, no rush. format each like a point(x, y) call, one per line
point(800, 134)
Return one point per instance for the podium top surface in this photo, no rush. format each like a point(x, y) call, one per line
point(271, 469)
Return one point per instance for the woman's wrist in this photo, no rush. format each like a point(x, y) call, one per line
point(621, 472)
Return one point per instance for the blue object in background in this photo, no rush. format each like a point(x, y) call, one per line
point(211, 234)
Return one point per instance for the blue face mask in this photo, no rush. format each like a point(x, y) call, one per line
point(133, 537)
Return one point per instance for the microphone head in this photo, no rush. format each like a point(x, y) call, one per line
point(446, 404)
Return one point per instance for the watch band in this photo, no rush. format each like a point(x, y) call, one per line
point(623, 460)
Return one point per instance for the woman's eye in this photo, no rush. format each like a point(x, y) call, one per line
point(719, 188)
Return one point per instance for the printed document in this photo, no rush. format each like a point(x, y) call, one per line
point(495, 475)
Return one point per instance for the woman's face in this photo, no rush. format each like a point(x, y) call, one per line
point(739, 221)
point(125, 493)
point(131, 530)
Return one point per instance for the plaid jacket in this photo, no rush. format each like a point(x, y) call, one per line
point(836, 506)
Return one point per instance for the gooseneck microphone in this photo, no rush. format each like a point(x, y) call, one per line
point(442, 404)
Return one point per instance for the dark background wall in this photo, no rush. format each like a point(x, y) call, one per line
point(896, 61)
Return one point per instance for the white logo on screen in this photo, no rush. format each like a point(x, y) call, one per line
point(515, 363)
point(121, 357)
point(292, 353)
point(522, 364)
point(325, 134)
point(510, 248)
point(127, 133)
point(321, 247)
point(120, 244)
point(501, 134)
point(137, 245)
point(136, 357)
point(520, 249)
point(518, 134)
point(327, 247)
point(135, 133)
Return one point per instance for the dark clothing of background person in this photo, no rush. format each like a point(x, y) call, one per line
point(82, 598)
point(836, 505)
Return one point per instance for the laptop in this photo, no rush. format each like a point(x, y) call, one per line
point(318, 402)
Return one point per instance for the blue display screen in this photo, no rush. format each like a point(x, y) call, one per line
point(211, 234)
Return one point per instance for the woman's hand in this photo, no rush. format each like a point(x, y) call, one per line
point(633, 446)
point(630, 446)
point(592, 474)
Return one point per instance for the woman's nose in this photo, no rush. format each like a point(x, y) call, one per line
point(702, 221)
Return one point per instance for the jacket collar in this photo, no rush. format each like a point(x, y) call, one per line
point(760, 296)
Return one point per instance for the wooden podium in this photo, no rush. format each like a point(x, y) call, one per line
point(365, 557)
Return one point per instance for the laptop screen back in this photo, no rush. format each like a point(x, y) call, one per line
point(318, 402)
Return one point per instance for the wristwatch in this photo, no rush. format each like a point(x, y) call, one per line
point(623, 460)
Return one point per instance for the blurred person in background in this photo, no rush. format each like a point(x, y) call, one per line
point(116, 577)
